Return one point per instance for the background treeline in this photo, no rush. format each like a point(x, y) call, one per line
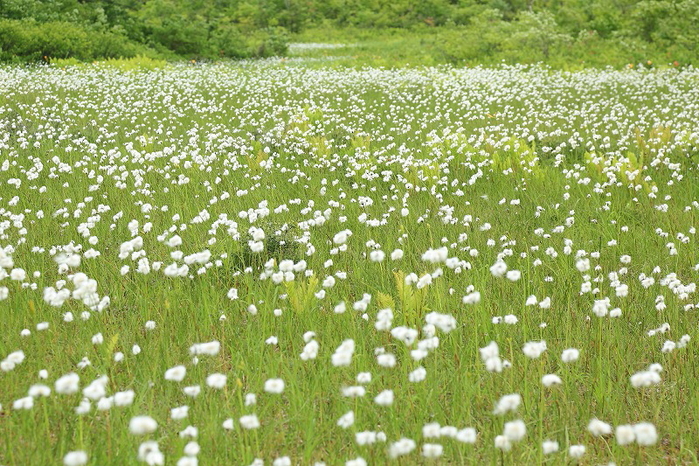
point(587, 31)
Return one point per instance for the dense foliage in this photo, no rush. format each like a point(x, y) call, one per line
point(538, 30)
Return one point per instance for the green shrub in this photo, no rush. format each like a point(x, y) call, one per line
point(535, 36)
point(15, 41)
point(272, 42)
point(62, 40)
point(31, 41)
point(187, 38)
point(230, 43)
point(111, 45)
point(481, 40)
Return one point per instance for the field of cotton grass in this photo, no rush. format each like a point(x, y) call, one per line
point(270, 263)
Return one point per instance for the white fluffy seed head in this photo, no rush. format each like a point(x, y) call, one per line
point(141, 425)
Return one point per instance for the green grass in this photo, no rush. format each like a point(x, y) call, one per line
point(486, 43)
point(335, 135)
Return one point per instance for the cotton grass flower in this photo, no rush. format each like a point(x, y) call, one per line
point(445, 322)
point(576, 451)
point(176, 374)
point(365, 438)
point(346, 420)
point(310, 351)
point(35, 391)
point(513, 275)
point(385, 398)
point(645, 379)
point(359, 461)
point(377, 255)
point(431, 430)
point(187, 461)
point(599, 428)
point(503, 443)
point(625, 434)
point(67, 384)
point(417, 375)
point(192, 391)
point(340, 308)
point(249, 422)
point(211, 348)
point(534, 349)
point(342, 236)
point(228, 424)
point(75, 458)
point(23, 403)
point(384, 320)
point(601, 307)
point(386, 360)
point(354, 391)
point(549, 447)
point(570, 355)
point(189, 432)
point(149, 452)
point(490, 357)
point(142, 425)
point(124, 398)
point(404, 334)
point(274, 386)
point(432, 450)
point(645, 433)
point(467, 435)
point(508, 403)
point(282, 461)
point(105, 403)
point(445, 431)
point(96, 389)
point(498, 269)
point(401, 448)
point(515, 431)
point(343, 354)
point(179, 413)
point(216, 381)
point(18, 274)
point(472, 298)
point(549, 380)
point(83, 407)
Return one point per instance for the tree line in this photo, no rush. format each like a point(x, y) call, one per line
point(33, 30)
